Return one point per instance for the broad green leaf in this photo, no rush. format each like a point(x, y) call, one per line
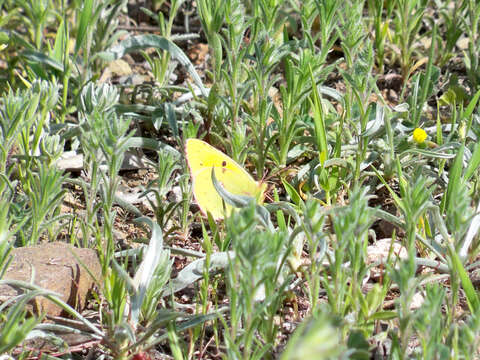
point(292, 192)
point(40, 58)
point(151, 258)
point(141, 42)
point(152, 144)
point(194, 271)
point(428, 153)
point(384, 315)
point(374, 125)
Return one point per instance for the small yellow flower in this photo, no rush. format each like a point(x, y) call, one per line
point(419, 135)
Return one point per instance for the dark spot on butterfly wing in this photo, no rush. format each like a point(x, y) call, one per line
point(224, 163)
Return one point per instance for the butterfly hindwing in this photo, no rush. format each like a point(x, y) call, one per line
point(201, 159)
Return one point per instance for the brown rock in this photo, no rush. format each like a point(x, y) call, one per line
point(56, 269)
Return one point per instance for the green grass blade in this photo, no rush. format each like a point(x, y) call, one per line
point(472, 296)
point(85, 17)
point(454, 176)
point(319, 122)
point(60, 43)
point(473, 163)
point(471, 106)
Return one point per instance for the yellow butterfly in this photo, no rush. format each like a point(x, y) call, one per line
point(201, 158)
